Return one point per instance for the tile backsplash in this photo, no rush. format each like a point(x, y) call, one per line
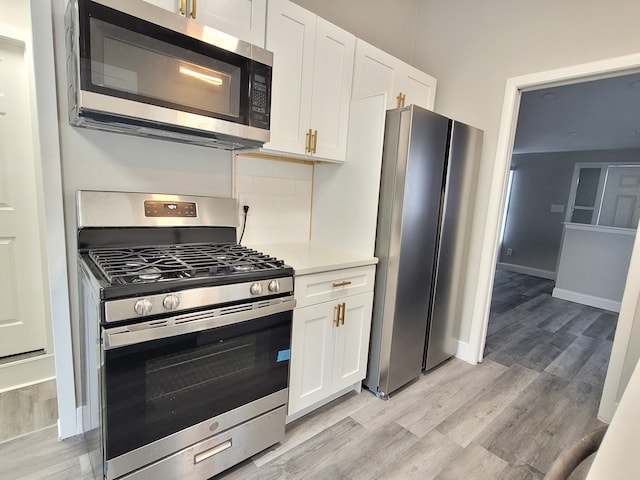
point(278, 194)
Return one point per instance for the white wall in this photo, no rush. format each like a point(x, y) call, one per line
point(472, 48)
point(390, 26)
point(278, 194)
point(108, 161)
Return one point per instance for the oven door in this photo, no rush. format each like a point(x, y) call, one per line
point(160, 395)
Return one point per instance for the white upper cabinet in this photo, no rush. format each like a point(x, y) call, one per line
point(244, 19)
point(312, 76)
point(376, 71)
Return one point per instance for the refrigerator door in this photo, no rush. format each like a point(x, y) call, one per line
point(410, 191)
point(461, 171)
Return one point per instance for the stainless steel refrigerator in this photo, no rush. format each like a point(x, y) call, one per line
point(427, 190)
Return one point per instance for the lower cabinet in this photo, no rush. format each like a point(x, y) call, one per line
point(330, 343)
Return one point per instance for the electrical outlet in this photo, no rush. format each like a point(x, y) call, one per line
point(509, 252)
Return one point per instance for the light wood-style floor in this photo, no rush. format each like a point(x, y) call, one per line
point(508, 418)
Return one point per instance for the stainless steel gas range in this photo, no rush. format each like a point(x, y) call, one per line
point(187, 336)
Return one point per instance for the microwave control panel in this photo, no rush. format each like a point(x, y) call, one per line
point(260, 95)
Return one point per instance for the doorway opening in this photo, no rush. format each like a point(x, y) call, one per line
point(618, 366)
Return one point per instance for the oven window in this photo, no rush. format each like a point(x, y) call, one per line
point(160, 387)
point(136, 60)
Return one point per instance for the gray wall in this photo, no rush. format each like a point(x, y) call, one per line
point(540, 180)
point(532, 231)
point(472, 48)
point(390, 26)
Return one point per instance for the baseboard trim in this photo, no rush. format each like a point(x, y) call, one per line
point(585, 299)
point(27, 372)
point(534, 272)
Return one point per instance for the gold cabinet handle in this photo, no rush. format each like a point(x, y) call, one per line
point(341, 284)
point(344, 307)
point(336, 316)
point(315, 141)
point(308, 147)
point(401, 98)
point(194, 6)
point(183, 7)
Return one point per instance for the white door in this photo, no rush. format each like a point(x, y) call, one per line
point(312, 340)
point(21, 268)
point(621, 200)
point(352, 342)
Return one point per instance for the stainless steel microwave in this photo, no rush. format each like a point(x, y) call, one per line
point(139, 69)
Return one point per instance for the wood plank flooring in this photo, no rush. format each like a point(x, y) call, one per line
point(508, 418)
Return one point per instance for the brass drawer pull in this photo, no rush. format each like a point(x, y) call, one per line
point(341, 284)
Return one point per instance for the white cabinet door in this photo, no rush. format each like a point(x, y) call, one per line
point(244, 19)
point(171, 5)
point(418, 87)
point(312, 76)
point(312, 343)
point(332, 79)
point(291, 37)
point(352, 342)
point(376, 71)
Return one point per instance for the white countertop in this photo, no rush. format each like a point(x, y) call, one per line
point(618, 457)
point(308, 258)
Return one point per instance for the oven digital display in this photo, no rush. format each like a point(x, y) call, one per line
point(155, 208)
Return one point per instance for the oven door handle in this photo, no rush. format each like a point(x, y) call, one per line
point(117, 337)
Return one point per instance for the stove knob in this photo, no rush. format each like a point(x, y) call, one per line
point(171, 302)
point(143, 307)
point(274, 286)
point(256, 289)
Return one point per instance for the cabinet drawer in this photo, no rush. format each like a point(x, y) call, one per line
point(322, 287)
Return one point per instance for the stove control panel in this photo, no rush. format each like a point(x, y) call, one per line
point(155, 208)
point(162, 303)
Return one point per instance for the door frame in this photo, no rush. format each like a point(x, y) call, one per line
point(621, 362)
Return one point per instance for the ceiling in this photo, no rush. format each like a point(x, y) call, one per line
point(595, 115)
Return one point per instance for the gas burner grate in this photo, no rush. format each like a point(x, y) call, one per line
point(170, 262)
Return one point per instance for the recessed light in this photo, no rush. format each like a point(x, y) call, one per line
point(575, 133)
point(635, 84)
point(638, 131)
point(549, 96)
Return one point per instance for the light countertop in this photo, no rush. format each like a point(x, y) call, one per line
point(618, 457)
point(308, 258)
